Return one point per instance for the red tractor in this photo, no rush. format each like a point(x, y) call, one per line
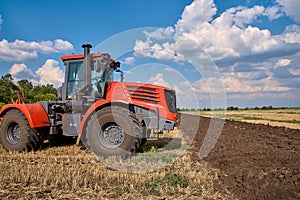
point(109, 117)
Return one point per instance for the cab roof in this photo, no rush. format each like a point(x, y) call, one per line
point(79, 56)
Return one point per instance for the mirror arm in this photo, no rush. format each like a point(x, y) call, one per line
point(121, 75)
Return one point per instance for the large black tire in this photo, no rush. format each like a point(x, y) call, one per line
point(16, 134)
point(113, 131)
point(83, 139)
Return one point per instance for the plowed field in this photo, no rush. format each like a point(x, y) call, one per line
point(253, 161)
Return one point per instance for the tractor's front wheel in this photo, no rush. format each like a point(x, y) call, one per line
point(113, 131)
point(16, 134)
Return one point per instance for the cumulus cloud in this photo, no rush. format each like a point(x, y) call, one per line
point(160, 33)
point(291, 8)
point(282, 63)
point(273, 12)
point(158, 79)
point(21, 71)
point(21, 51)
point(228, 38)
point(129, 61)
point(242, 15)
point(48, 73)
point(200, 11)
point(291, 34)
point(237, 85)
point(158, 51)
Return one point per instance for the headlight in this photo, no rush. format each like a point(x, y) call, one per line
point(171, 100)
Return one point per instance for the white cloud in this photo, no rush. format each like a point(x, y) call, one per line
point(160, 33)
point(238, 83)
point(20, 51)
point(263, 95)
point(198, 12)
point(291, 34)
point(273, 12)
point(170, 70)
point(227, 38)
point(158, 51)
point(8, 53)
point(295, 72)
point(282, 63)
point(21, 71)
point(242, 15)
point(129, 61)
point(291, 8)
point(63, 46)
point(49, 73)
point(159, 80)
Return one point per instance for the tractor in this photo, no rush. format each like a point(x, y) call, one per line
point(109, 117)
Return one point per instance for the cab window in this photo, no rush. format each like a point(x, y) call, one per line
point(75, 78)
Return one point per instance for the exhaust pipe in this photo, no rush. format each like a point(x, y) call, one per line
point(87, 62)
point(87, 72)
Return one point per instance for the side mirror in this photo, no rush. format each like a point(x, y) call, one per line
point(115, 64)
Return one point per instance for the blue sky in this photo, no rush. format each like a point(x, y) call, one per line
point(253, 45)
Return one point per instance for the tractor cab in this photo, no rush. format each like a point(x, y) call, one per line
point(91, 82)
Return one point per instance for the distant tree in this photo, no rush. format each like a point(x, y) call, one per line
point(7, 88)
point(44, 93)
point(232, 108)
point(267, 108)
point(44, 89)
point(26, 87)
point(45, 97)
point(31, 93)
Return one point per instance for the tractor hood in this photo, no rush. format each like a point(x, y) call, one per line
point(152, 97)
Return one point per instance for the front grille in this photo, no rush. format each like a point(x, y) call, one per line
point(142, 93)
point(171, 100)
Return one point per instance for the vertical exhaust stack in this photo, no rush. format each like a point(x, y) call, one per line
point(87, 61)
point(87, 72)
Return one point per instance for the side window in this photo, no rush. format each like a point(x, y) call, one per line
point(75, 78)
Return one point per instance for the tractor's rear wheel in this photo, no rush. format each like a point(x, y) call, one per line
point(16, 134)
point(113, 131)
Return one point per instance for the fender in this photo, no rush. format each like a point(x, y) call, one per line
point(91, 109)
point(35, 113)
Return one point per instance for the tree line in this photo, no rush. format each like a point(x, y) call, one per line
point(231, 108)
point(32, 93)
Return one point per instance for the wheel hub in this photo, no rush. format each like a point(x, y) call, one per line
point(112, 135)
point(13, 133)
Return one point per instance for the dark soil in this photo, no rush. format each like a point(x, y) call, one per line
point(253, 161)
